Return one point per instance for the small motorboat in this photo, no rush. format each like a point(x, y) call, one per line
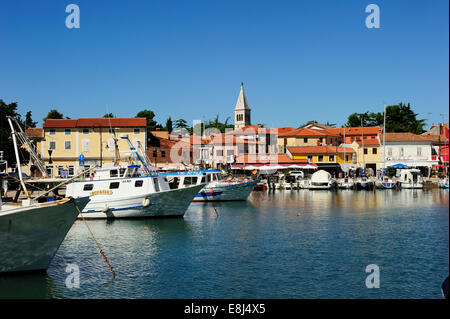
point(321, 180)
point(346, 183)
point(411, 179)
point(443, 183)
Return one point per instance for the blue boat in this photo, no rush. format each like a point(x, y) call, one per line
point(216, 189)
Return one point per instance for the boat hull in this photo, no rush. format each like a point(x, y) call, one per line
point(232, 192)
point(170, 203)
point(411, 185)
point(30, 237)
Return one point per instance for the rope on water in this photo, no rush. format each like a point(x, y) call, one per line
point(96, 242)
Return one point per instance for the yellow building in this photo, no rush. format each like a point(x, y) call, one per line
point(323, 154)
point(306, 137)
point(64, 142)
point(368, 153)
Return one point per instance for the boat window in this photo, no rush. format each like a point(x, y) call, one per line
point(188, 181)
point(203, 179)
point(138, 183)
point(155, 180)
point(113, 173)
point(174, 183)
point(219, 177)
point(121, 172)
point(213, 177)
point(88, 187)
point(114, 185)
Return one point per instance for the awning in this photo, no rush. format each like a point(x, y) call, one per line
point(273, 167)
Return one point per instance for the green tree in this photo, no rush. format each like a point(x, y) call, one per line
point(6, 143)
point(149, 115)
point(29, 121)
point(53, 114)
point(108, 115)
point(399, 118)
point(181, 123)
point(169, 125)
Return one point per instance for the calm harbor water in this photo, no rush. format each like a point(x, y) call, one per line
point(283, 244)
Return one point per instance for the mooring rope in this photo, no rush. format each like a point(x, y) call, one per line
point(96, 242)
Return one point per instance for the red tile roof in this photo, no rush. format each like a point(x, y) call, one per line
point(34, 132)
point(96, 122)
point(406, 137)
point(359, 131)
point(304, 150)
point(308, 132)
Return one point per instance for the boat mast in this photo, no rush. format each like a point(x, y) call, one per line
point(16, 151)
point(384, 140)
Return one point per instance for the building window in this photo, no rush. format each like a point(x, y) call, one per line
point(310, 158)
point(137, 131)
point(219, 153)
point(86, 146)
point(347, 158)
point(52, 131)
point(155, 153)
point(85, 131)
point(71, 170)
point(365, 151)
point(52, 145)
point(67, 145)
point(320, 158)
point(111, 131)
point(305, 140)
point(163, 153)
point(419, 151)
point(67, 131)
point(352, 139)
point(331, 158)
point(374, 150)
point(389, 151)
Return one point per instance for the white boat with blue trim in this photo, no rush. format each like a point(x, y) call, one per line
point(216, 189)
point(131, 192)
point(127, 192)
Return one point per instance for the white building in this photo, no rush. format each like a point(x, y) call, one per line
point(407, 149)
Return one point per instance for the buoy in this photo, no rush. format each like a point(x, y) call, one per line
point(211, 191)
point(146, 202)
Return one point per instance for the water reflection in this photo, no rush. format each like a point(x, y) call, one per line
point(282, 244)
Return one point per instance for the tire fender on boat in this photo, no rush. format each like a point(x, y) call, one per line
point(146, 202)
point(105, 209)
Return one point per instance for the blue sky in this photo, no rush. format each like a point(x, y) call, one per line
point(299, 60)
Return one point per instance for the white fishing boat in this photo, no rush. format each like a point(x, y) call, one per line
point(216, 188)
point(321, 180)
point(346, 183)
point(133, 191)
point(32, 229)
point(411, 179)
point(128, 192)
point(31, 233)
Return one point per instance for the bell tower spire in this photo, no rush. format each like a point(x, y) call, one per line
point(241, 110)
